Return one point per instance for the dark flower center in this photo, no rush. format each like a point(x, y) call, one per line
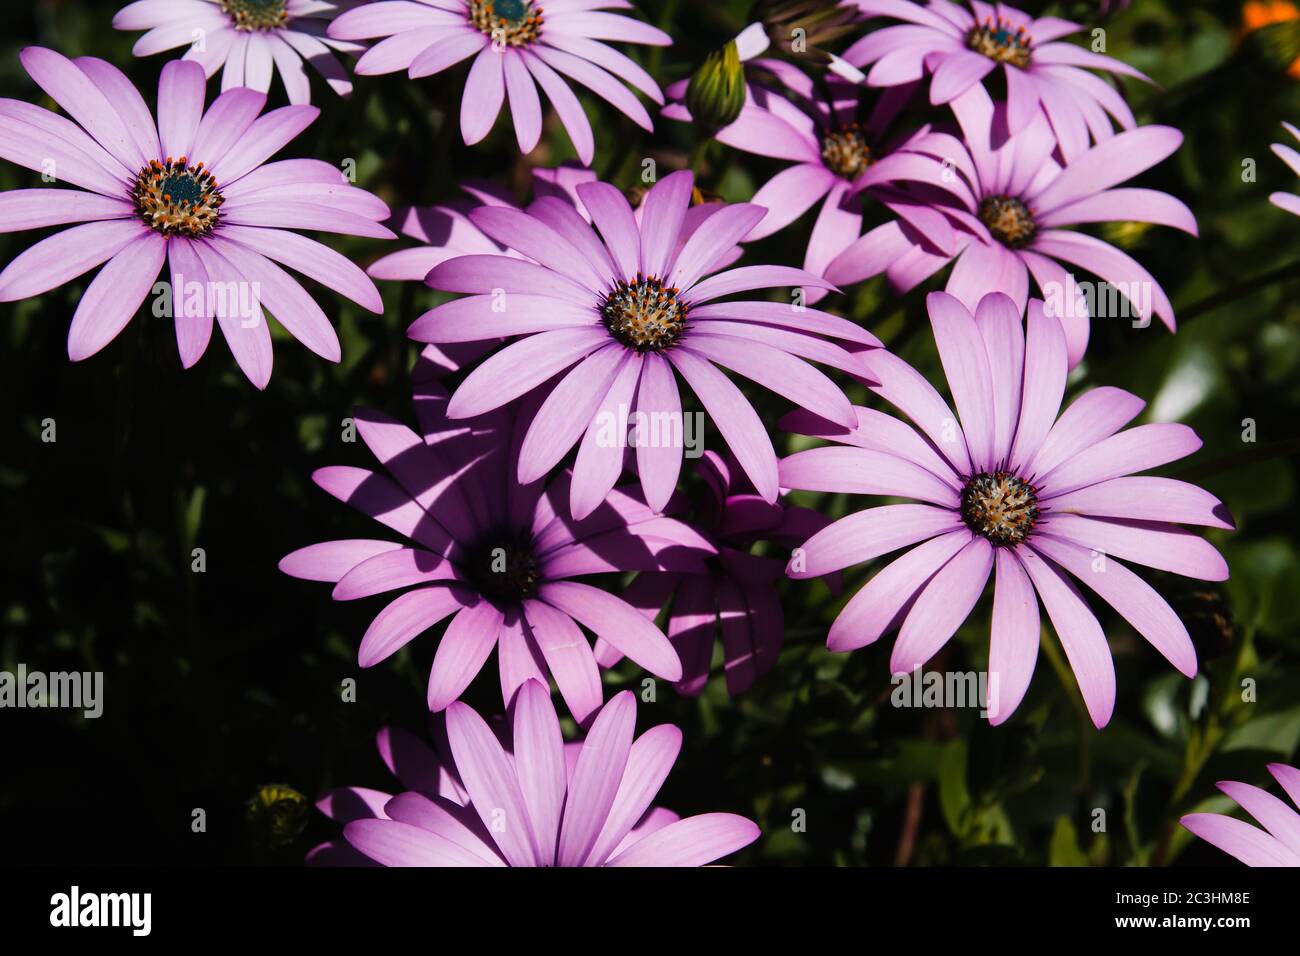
point(999, 506)
point(256, 14)
point(1009, 220)
point(512, 22)
point(998, 41)
point(504, 569)
point(644, 315)
point(177, 199)
point(845, 151)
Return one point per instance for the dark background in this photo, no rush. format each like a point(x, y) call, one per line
point(220, 683)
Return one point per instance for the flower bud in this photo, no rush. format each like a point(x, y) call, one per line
point(716, 93)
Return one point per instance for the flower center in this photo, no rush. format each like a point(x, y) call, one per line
point(177, 199)
point(846, 152)
point(1000, 506)
point(510, 22)
point(643, 315)
point(504, 569)
point(1009, 219)
point(998, 41)
point(256, 14)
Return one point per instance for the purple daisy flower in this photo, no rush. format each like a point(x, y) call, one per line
point(536, 801)
point(1010, 202)
point(196, 193)
point(833, 132)
point(1277, 844)
point(1006, 484)
point(252, 39)
point(1288, 201)
point(960, 47)
point(516, 47)
point(626, 313)
point(738, 596)
point(496, 556)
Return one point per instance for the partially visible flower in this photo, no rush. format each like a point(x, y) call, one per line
point(958, 48)
point(1288, 201)
point(445, 230)
point(516, 46)
point(536, 801)
point(833, 132)
point(1006, 484)
point(1277, 22)
point(1277, 844)
point(252, 39)
point(195, 192)
point(802, 28)
point(494, 555)
point(1010, 202)
point(738, 596)
point(277, 814)
point(621, 315)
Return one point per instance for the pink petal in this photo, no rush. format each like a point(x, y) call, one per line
point(464, 648)
point(492, 784)
point(539, 763)
point(1080, 635)
point(942, 606)
point(695, 841)
point(596, 779)
point(1013, 637)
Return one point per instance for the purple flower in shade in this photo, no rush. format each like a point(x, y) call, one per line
point(624, 312)
point(195, 193)
point(536, 801)
point(516, 47)
point(1006, 483)
point(1278, 844)
point(960, 47)
point(833, 132)
point(252, 39)
point(1010, 202)
point(1288, 201)
point(738, 595)
point(496, 556)
point(446, 230)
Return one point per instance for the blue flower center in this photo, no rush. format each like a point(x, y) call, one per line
point(507, 22)
point(177, 199)
point(998, 41)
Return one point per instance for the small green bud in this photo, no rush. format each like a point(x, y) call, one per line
point(716, 93)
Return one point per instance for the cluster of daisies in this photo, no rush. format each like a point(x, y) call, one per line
point(555, 395)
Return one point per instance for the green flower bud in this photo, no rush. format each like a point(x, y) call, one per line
point(716, 92)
